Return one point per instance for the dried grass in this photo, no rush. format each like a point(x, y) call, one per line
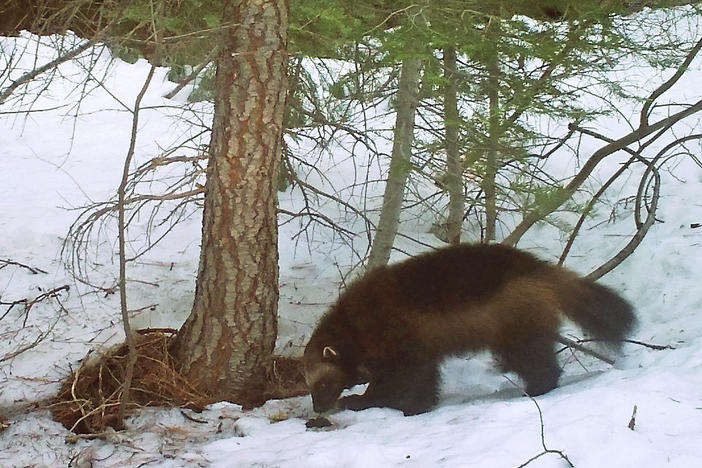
point(88, 400)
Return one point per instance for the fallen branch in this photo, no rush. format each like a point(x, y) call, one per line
point(74, 438)
point(649, 345)
point(575, 345)
point(578, 345)
point(192, 418)
point(636, 342)
point(32, 270)
point(29, 303)
point(43, 335)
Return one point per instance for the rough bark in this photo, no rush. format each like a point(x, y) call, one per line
point(454, 169)
point(227, 342)
point(400, 164)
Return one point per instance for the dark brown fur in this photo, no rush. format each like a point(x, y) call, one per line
point(393, 326)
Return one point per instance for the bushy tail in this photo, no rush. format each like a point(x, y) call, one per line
point(600, 311)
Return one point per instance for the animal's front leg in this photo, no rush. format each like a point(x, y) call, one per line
point(369, 399)
point(412, 390)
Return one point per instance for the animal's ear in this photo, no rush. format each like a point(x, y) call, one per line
point(329, 353)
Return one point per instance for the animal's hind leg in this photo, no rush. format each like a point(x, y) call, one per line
point(540, 370)
point(534, 360)
point(412, 389)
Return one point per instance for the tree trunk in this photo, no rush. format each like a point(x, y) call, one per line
point(454, 169)
point(400, 165)
point(226, 344)
point(493, 136)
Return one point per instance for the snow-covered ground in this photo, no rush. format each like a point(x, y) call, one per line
point(50, 162)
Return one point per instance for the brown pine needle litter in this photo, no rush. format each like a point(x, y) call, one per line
point(88, 400)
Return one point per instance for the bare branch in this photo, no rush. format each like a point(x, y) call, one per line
point(642, 227)
point(184, 82)
point(29, 76)
point(575, 345)
point(29, 303)
point(638, 237)
point(32, 270)
point(52, 294)
point(586, 211)
point(646, 108)
point(616, 145)
point(129, 335)
point(546, 450)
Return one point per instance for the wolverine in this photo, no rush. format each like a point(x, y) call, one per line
point(392, 327)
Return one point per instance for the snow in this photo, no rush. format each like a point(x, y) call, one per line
point(50, 162)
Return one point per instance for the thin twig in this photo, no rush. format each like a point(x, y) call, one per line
point(29, 76)
point(574, 344)
point(682, 68)
point(588, 208)
point(632, 421)
point(29, 303)
point(636, 342)
point(543, 441)
point(121, 192)
point(542, 432)
point(192, 418)
point(184, 82)
point(43, 335)
point(641, 232)
point(33, 270)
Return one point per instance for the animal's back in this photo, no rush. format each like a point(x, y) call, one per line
point(440, 281)
point(440, 302)
point(459, 274)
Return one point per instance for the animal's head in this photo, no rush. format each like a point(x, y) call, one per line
point(326, 374)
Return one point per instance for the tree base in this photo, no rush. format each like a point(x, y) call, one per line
point(88, 400)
